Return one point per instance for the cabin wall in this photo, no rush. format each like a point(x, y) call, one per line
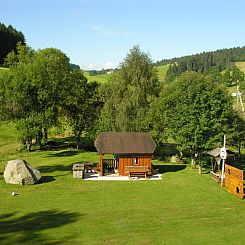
point(128, 161)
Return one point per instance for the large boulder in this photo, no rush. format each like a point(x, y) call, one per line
point(20, 172)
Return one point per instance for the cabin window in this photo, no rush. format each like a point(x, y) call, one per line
point(135, 161)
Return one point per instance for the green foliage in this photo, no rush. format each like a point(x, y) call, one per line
point(81, 104)
point(9, 37)
point(128, 94)
point(73, 67)
point(232, 76)
point(194, 111)
point(204, 62)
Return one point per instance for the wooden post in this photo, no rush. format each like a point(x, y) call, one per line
point(101, 165)
point(223, 167)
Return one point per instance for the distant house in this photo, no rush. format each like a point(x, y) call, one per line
point(129, 149)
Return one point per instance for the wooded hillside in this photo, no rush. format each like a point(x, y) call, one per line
point(206, 62)
point(9, 37)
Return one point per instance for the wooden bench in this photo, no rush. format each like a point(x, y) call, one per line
point(215, 176)
point(137, 171)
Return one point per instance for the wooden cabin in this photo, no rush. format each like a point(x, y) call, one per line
point(131, 151)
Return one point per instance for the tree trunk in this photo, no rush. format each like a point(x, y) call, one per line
point(200, 168)
point(78, 137)
point(45, 135)
point(180, 155)
point(39, 137)
point(193, 162)
point(28, 143)
point(239, 148)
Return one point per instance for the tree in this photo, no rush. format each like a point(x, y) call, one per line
point(81, 103)
point(33, 88)
point(128, 95)
point(195, 112)
point(9, 37)
point(232, 76)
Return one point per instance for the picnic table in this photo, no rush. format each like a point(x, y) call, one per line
point(88, 167)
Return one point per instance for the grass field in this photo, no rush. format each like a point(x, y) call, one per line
point(162, 70)
point(183, 208)
point(99, 78)
point(241, 66)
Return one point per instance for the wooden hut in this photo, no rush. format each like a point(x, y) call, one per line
point(216, 162)
point(132, 152)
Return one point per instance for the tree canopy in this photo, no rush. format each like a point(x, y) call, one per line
point(205, 62)
point(37, 88)
point(128, 94)
point(9, 37)
point(195, 111)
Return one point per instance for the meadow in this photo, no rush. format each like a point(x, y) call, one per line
point(98, 78)
point(241, 66)
point(183, 208)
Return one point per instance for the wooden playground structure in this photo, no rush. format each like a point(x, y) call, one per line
point(234, 181)
point(233, 176)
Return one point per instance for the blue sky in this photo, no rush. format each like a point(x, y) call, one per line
point(97, 34)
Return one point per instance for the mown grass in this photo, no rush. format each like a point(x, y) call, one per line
point(183, 208)
point(162, 70)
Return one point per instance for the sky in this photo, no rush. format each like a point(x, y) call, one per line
point(99, 34)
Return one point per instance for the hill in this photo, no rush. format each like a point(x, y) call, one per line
point(241, 66)
point(162, 71)
point(214, 61)
point(98, 78)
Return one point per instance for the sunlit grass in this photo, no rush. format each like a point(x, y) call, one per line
point(183, 208)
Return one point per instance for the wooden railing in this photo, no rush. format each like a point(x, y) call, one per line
point(110, 165)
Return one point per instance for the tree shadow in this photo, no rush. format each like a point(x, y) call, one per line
point(66, 153)
point(59, 144)
point(169, 168)
point(54, 168)
point(28, 228)
point(46, 179)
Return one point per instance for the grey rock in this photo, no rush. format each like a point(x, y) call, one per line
point(21, 173)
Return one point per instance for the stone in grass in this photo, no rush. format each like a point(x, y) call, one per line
point(21, 173)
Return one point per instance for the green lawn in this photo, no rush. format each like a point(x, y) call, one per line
point(183, 208)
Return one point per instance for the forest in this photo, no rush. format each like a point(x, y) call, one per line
point(207, 62)
point(192, 107)
point(9, 38)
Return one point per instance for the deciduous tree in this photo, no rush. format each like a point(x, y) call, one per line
point(195, 111)
point(129, 93)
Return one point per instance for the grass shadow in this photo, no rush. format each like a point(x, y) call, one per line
point(169, 168)
point(28, 228)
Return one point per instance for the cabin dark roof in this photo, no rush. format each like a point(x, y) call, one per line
point(216, 152)
point(125, 143)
